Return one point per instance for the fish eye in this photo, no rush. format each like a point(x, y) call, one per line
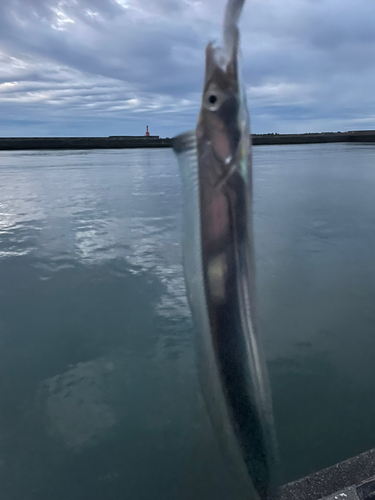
point(213, 100)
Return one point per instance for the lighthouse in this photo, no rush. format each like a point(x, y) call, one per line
point(147, 132)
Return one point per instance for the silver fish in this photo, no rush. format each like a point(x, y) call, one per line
point(215, 162)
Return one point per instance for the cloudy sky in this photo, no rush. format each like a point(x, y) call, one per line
point(109, 67)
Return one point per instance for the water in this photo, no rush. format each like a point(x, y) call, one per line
point(98, 387)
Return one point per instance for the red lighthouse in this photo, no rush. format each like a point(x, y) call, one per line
point(147, 132)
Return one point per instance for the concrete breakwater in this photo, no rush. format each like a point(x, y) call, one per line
point(118, 142)
point(324, 137)
point(124, 142)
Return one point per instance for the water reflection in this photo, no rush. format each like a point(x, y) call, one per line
point(75, 403)
point(97, 361)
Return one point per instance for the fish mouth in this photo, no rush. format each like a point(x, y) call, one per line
point(218, 57)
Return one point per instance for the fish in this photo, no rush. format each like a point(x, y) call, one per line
point(218, 255)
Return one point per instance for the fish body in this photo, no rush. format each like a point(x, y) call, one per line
point(215, 163)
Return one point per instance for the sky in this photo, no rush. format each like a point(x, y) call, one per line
point(111, 67)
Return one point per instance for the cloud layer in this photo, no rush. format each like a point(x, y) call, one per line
point(109, 67)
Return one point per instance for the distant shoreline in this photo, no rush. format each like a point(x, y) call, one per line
point(315, 138)
point(135, 142)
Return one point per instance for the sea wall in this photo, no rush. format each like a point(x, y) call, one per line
point(354, 136)
point(124, 142)
point(23, 143)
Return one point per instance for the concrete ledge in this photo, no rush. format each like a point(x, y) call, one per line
point(353, 477)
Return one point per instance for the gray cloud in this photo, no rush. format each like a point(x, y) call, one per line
point(100, 67)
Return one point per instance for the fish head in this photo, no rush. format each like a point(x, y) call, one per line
point(223, 125)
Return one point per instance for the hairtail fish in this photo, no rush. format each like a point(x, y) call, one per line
point(215, 164)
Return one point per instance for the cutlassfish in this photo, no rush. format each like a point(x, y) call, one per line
point(215, 163)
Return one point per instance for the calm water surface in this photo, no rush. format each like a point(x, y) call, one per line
point(98, 388)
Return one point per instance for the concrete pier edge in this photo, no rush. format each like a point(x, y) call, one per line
point(353, 479)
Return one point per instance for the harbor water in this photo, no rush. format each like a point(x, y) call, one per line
point(99, 395)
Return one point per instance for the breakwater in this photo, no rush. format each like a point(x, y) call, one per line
point(352, 136)
point(116, 142)
point(125, 142)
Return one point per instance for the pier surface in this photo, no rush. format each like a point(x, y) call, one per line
point(353, 479)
